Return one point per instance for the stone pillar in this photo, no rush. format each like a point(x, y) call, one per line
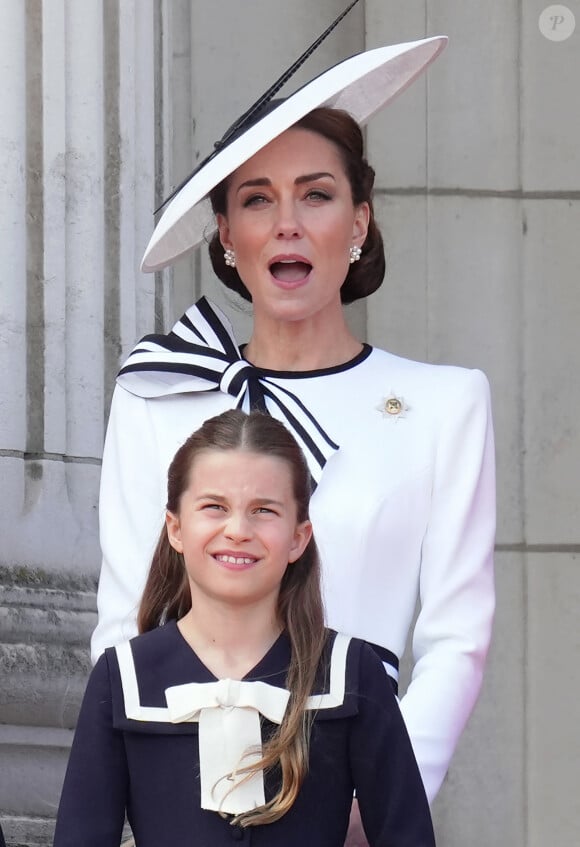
point(77, 163)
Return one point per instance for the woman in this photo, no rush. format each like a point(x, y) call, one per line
point(242, 717)
point(402, 452)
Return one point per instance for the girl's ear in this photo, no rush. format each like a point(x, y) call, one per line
point(173, 531)
point(302, 536)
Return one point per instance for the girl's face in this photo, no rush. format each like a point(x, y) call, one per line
point(237, 527)
point(291, 222)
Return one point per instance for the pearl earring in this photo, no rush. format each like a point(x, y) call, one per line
point(355, 253)
point(230, 258)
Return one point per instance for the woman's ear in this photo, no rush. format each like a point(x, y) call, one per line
point(224, 231)
point(173, 527)
point(302, 536)
point(362, 216)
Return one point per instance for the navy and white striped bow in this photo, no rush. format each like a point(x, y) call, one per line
point(200, 354)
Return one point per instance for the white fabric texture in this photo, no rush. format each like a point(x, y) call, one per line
point(404, 509)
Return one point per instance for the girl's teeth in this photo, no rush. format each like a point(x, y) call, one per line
point(235, 560)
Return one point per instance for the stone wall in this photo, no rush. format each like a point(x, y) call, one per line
point(105, 105)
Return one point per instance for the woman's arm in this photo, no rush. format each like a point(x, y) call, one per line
point(130, 515)
point(389, 789)
point(94, 795)
point(453, 629)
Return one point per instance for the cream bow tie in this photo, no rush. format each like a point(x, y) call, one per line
point(228, 712)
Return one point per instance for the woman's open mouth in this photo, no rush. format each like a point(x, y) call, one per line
point(290, 271)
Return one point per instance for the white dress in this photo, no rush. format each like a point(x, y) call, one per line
point(404, 510)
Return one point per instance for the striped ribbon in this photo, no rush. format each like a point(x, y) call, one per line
point(201, 354)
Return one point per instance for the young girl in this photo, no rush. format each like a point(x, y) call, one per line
point(241, 717)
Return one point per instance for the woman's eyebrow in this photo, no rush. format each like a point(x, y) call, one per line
point(264, 181)
point(252, 183)
point(313, 177)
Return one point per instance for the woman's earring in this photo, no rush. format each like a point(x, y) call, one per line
point(230, 258)
point(355, 253)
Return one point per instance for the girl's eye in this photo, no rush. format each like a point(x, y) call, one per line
point(213, 506)
point(264, 510)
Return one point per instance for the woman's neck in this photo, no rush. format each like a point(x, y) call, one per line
point(301, 345)
point(230, 642)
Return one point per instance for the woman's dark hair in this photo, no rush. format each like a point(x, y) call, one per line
point(300, 609)
point(365, 276)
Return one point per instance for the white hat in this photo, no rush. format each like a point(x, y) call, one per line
point(360, 85)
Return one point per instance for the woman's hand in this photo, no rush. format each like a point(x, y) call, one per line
point(355, 836)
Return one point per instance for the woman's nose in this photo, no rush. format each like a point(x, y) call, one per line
point(288, 223)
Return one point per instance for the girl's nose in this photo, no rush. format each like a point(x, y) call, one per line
point(238, 527)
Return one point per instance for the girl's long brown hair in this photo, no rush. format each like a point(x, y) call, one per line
point(300, 608)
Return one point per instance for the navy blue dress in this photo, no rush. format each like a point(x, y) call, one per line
point(150, 770)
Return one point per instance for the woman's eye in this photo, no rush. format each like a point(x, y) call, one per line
point(255, 200)
point(318, 194)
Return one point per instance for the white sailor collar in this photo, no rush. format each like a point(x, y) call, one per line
point(144, 669)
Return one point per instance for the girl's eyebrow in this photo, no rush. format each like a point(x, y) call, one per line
point(267, 501)
point(209, 495)
point(261, 181)
point(258, 501)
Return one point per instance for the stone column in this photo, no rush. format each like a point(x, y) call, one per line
point(77, 164)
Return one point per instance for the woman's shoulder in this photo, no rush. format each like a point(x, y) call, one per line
point(437, 383)
point(383, 359)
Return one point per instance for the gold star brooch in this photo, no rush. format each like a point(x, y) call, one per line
point(393, 407)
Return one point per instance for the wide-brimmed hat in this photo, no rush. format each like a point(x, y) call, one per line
point(360, 85)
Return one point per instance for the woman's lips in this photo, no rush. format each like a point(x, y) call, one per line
point(290, 270)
